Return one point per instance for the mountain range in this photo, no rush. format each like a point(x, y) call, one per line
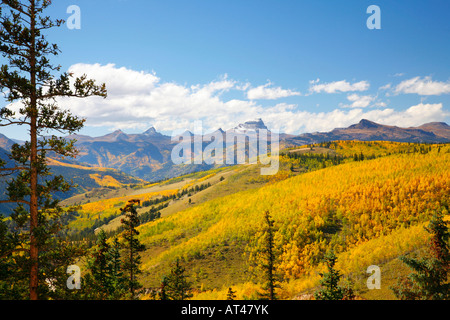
point(365, 130)
point(148, 155)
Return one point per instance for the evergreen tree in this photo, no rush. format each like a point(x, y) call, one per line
point(163, 288)
point(55, 255)
point(100, 265)
point(27, 79)
point(8, 271)
point(330, 282)
point(429, 279)
point(361, 156)
point(177, 286)
point(291, 167)
point(268, 264)
point(117, 277)
point(349, 293)
point(131, 247)
point(231, 295)
point(98, 283)
point(105, 280)
point(263, 258)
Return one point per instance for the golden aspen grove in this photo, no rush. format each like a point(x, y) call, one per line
point(370, 212)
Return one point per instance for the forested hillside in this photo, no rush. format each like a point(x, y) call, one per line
point(343, 207)
point(367, 201)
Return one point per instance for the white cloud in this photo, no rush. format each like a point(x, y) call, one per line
point(121, 81)
point(337, 86)
point(425, 86)
point(264, 92)
point(137, 100)
point(140, 99)
point(359, 101)
point(290, 120)
point(386, 87)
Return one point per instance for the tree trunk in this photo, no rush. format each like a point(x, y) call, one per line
point(34, 251)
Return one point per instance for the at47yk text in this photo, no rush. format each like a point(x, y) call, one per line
point(231, 309)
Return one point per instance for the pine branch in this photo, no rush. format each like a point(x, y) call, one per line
point(9, 252)
point(14, 169)
point(10, 122)
point(15, 201)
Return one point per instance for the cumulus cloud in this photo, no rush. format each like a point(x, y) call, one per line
point(425, 86)
point(138, 100)
point(121, 81)
point(265, 92)
point(359, 101)
point(337, 86)
point(288, 119)
point(385, 87)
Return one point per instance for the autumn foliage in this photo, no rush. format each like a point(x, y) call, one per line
point(344, 207)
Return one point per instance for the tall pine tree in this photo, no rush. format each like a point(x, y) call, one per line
point(118, 279)
point(177, 285)
point(29, 83)
point(331, 290)
point(162, 289)
point(131, 247)
point(98, 283)
point(105, 279)
point(263, 258)
point(269, 265)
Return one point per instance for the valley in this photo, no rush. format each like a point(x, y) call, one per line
point(367, 200)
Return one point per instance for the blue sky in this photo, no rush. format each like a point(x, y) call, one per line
point(301, 66)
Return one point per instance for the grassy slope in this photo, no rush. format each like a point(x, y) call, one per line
point(212, 232)
point(91, 178)
point(103, 202)
point(223, 226)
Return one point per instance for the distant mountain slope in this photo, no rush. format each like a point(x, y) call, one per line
point(135, 154)
point(85, 178)
point(367, 130)
point(440, 129)
point(148, 155)
point(5, 142)
point(88, 178)
point(5, 208)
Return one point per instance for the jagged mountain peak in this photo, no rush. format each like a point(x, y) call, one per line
point(151, 131)
point(365, 124)
point(254, 125)
point(115, 136)
point(116, 133)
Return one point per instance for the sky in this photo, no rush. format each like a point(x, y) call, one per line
point(300, 66)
